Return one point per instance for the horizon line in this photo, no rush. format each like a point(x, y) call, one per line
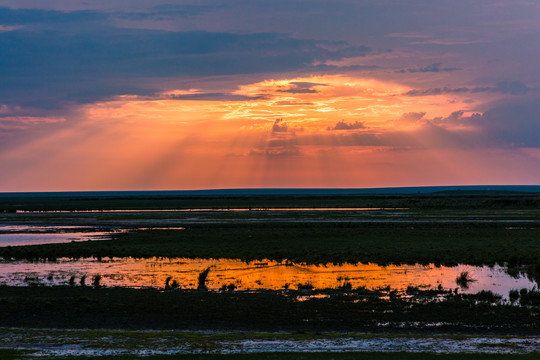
point(283, 191)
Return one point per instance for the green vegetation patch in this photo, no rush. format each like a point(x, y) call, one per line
point(80, 307)
point(475, 243)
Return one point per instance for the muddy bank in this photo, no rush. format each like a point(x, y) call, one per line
point(55, 342)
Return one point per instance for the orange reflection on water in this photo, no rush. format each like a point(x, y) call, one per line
point(129, 272)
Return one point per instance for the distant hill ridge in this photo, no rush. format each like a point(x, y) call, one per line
point(442, 190)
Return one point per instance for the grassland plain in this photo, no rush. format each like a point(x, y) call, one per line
point(440, 200)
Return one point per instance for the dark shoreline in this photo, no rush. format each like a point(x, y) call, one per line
point(86, 307)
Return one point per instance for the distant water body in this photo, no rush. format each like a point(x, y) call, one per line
point(279, 191)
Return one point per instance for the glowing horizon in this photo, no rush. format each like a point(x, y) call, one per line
point(191, 98)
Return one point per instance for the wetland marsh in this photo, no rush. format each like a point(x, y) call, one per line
point(377, 264)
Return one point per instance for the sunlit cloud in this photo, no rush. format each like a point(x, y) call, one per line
point(151, 95)
point(24, 122)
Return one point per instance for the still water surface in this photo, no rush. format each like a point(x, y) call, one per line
point(17, 235)
point(153, 272)
point(200, 210)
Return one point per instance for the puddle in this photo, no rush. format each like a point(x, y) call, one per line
point(16, 235)
point(259, 275)
point(37, 228)
point(199, 210)
point(50, 238)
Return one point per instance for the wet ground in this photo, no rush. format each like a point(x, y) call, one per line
point(259, 295)
point(54, 342)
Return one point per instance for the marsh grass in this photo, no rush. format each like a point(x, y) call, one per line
point(96, 281)
point(463, 280)
point(64, 306)
point(313, 242)
point(201, 284)
point(305, 286)
point(346, 286)
point(529, 297)
point(33, 280)
point(485, 296)
point(513, 296)
point(230, 287)
point(171, 285)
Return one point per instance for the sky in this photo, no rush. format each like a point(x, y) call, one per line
point(212, 94)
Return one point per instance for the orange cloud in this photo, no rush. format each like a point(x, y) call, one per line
point(334, 131)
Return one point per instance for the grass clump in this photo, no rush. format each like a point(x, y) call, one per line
point(486, 296)
point(513, 296)
point(463, 280)
point(171, 285)
point(96, 281)
point(202, 279)
point(346, 286)
point(306, 286)
point(529, 297)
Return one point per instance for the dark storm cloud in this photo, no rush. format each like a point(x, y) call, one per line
point(81, 57)
point(516, 124)
point(505, 87)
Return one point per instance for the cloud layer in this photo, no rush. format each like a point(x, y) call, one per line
point(153, 94)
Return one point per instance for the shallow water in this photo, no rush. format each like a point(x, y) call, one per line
point(153, 272)
point(16, 235)
point(199, 210)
